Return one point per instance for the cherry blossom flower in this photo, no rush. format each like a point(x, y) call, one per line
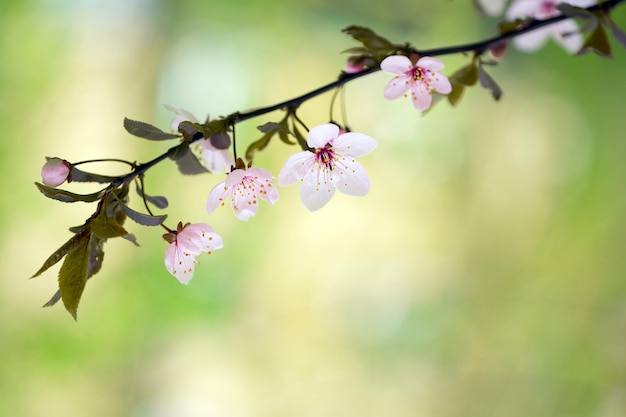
point(328, 166)
point(565, 33)
point(215, 159)
point(55, 172)
point(185, 244)
point(492, 7)
point(421, 79)
point(244, 187)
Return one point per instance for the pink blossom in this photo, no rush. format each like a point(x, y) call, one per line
point(244, 187)
point(55, 172)
point(187, 243)
point(328, 166)
point(216, 160)
point(421, 79)
point(492, 7)
point(565, 33)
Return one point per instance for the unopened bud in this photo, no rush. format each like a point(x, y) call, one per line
point(55, 172)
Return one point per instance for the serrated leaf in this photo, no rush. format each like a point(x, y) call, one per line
point(159, 202)
point(67, 247)
point(96, 255)
point(105, 226)
point(81, 176)
point(187, 161)
point(146, 130)
point(131, 238)
point(486, 81)
point(598, 42)
point(67, 196)
point(73, 276)
point(143, 219)
point(618, 33)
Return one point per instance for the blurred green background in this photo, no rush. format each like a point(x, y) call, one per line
point(484, 274)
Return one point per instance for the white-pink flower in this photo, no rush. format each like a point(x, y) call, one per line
point(216, 160)
point(55, 172)
point(187, 243)
point(421, 79)
point(328, 166)
point(565, 33)
point(244, 187)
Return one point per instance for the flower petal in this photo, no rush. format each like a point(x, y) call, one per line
point(182, 115)
point(352, 178)
point(316, 190)
point(216, 160)
point(396, 64)
point(421, 97)
point(521, 9)
point(217, 195)
point(354, 144)
point(320, 135)
point(244, 202)
point(429, 63)
point(397, 87)
point(295, 168)
point(532, 41)
point(567, 34)
point(179, 263)
point(440, 83)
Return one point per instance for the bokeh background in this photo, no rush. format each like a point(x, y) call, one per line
point(484, 274)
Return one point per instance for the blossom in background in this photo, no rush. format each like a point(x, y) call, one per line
point(491, 7)
point(328, 166)
point(565, 33)
point(187, 243)
point(215, 159)
point(244, 187)
point(55, 172)
point(421, 79)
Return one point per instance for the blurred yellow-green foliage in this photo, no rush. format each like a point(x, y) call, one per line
point(484, 274)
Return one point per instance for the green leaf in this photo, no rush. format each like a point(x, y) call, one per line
point(598, 42)
point(66, 196)
point(73, 275)
point(486, 81)
point(369, 38)
point(105, 226)
point(456, 94)
point(187, 161)
point(55, 298)
point(258, 145)
point(81, 176)
point(146, 131)
point(143, 219)
point(467, 75)
point(300, 138)
point(67, 247)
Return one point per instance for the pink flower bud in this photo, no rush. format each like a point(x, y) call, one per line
point(55, 172)
point(355, 65)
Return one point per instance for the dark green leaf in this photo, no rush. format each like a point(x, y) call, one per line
point(81, 176)
point(486, 81)
point(143, 219)
point(105, 226)
point(157, 201)
point(456, 94)
point(258, 145)
point(66, 196)
point(55, 298)
point(96, 255)
point(67, 247)
point(573, 11)
point(598, 42)
point(467, 75)
point(146, 131)
point(369, 38)
point(187, 161)
point(300, 138)
point(73, 275)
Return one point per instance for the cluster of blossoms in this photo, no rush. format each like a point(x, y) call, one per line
point(327, 165)
point(565, 33)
